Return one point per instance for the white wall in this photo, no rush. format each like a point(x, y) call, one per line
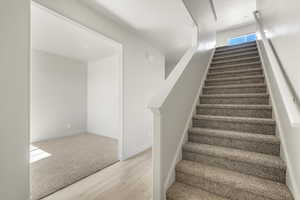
point(103, 99)
point(14, 101)
point(224, 36)
point(58, 96)
point(141, 81)
point(143, 71)
point(281, 22)
point(169, 66)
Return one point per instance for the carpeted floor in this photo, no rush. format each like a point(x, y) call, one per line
point(71, 159)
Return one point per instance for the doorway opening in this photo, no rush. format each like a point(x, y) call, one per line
point(76, 102)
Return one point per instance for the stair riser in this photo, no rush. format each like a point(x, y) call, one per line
point(256, 113)
point(235, 100)
point(232, 68)
point(234, 48)
point(234, 56)
point(247, 90)
point(259, 147)
point(229, 75)
point(169, 198)
point(267, 129)
point(179, 191)
point(225, 190)
point(237, 51)
point(232, 62)
point(231, 82)
point(270, 173)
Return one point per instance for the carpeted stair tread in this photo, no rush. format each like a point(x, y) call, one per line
point(234, 71)
point(217, 57)
point(245, 79)
point(233, 98)
point(234, 47)
point(236, 110)
point(247, 162)
point(234, 95)
point(237, 119)
point(235, 60)
point(180, 191)
point(235, 65)
point(235, 51)
point(236, 106)
point(241, 46)
point(234, 123)
point(235, 135)
point(237, 73)
point(243, 139)
point(235, 78)
point(242, 88)
point(236, 154)
point(205, 176)
point(255, 85)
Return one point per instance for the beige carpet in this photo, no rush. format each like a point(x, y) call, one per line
point(72, 158)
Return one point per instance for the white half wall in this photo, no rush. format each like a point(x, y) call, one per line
point(14, 101)
point(143, 71)
point(103, 97)
point(58, 96)
point(224, 36)
point(174, 105)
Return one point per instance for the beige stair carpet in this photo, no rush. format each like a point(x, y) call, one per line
point(71, 159)
point(232, 151)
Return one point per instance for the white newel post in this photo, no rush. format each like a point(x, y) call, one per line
point(156, 155)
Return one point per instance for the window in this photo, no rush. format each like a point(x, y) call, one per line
point(242, 39)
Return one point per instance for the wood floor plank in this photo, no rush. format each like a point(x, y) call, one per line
point(130, 179)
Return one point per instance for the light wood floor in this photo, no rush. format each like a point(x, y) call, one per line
point(130, 179)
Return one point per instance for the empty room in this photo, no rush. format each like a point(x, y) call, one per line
point(75, 126)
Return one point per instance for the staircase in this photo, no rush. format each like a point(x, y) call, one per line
point(232, 151)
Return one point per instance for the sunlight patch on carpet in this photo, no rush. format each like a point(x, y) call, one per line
point(37, 154)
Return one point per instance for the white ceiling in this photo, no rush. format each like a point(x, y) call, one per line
point(234, 13)
point(165, 23)
point(58, 35)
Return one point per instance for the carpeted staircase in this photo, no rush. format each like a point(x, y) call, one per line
point(232, 152)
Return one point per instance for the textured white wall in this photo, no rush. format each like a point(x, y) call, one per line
point(103, 100)
point(14, 101)
point(281, 22)
point(143, 72)
point(224, 36)
point(58, 96)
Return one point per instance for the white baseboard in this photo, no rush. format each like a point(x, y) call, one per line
point(178, 156)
